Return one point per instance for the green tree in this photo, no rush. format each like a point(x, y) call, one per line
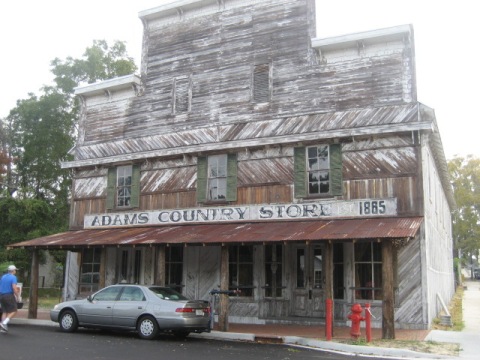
point(36, 137)
point(41, 136)
point(99, 62)
point(24, 219)
point(465, 177)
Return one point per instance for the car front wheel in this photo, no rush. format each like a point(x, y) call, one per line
point(68, 321)
point(147, 327)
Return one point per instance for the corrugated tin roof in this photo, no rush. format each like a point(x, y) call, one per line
point(254, 232)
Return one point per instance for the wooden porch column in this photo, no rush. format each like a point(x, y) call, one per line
point(329, 283)
point(33, 294)
point(224, 299)
point(160, 266)
point(329, 270)
point(103, 265)
point(388, 305)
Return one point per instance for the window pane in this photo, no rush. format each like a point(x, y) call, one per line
point(318, 266)
point(124, 185)
point(368, 271)
point(300, 268)
point(338, 274)
point(318, 170)
point(109, 294)
point(241, 269)
point(245, 254)
point(273, 270)
point(217, 177)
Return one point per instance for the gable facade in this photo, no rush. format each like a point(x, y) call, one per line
point(250, 155)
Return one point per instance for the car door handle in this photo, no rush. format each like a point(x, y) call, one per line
point(140, 307)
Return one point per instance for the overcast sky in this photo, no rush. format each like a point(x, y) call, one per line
point(34, 32)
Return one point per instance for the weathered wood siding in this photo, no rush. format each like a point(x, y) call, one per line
point(372, 168)
point(410, 308)
point(362, 95)
point(216, 50)
point(437, 244)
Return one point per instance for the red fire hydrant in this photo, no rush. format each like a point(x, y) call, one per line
point(356, 317)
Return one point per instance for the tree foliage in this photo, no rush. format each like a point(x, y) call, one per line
point(41, 136)
point(99, 62)
point(465, 177)
point(36, 138)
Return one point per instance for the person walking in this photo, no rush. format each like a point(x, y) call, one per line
point(8, 296)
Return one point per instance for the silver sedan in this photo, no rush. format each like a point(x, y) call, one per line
point(148, 310)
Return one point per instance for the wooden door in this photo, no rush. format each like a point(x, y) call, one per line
point(308, 287)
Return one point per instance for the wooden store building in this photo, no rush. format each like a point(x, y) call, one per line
point(251, 155)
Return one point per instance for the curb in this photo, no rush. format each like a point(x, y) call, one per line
point(329, 346)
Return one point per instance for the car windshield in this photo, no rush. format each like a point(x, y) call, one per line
point(167, 294)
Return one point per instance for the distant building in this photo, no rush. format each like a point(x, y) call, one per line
point(251, 155)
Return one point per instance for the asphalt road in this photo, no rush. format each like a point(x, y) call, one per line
point(25, 342)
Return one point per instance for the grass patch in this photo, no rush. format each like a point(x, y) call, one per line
point(47, 302)
point(456, 313)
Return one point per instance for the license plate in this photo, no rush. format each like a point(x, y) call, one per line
point(199, 312)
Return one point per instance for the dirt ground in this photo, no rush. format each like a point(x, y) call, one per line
point(429, 347)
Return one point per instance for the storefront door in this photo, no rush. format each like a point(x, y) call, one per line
point(130, 265)
point(308, 294)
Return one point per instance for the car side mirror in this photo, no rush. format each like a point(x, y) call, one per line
point(90, 298)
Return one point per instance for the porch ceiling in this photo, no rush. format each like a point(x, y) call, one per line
point(254, 232)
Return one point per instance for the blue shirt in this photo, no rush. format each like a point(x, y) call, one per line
point(6, 283)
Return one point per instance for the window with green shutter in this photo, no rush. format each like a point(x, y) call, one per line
point(123, 187)
point(217, 178)
point(318, 171)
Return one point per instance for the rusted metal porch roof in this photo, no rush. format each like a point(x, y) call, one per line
point(253, 232)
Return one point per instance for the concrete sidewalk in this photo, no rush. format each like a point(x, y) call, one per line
point(469, 337)
point(314, 336)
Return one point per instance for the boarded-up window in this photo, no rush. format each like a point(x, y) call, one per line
point(318, 170)
point(181, 95)
point(261, 83)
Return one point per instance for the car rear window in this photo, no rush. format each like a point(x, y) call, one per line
point(167, 294)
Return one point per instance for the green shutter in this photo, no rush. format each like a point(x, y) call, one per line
point(202, 168)
point(111, 186)
point(299, 169)
point(336, 169)
point(232, 177)
point(135, 194)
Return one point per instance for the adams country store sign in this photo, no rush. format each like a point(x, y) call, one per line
point(304, 211)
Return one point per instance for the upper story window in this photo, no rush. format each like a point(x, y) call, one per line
point(262, 83)
point(318, 167)
point(318, 171)
point(181, 95)
point(123, 187)
point(217, 178)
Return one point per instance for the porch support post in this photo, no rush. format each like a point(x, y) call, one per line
point(103, 266)
point(329, 287)
point(33, 294)
point(329, 270)
point(388, 306)
point(160, 265)
point(224, 299)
